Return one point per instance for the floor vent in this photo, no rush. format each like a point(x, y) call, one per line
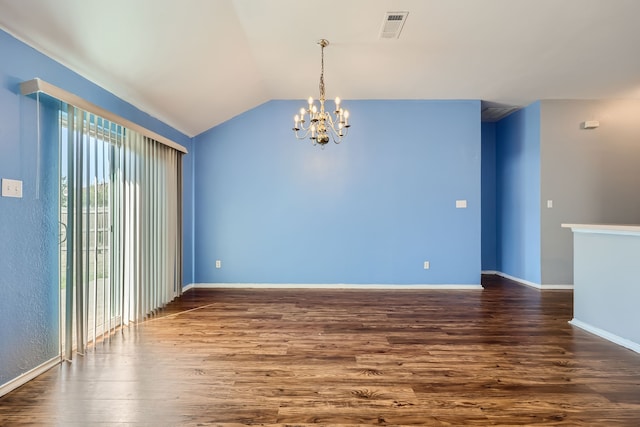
point(392, 24)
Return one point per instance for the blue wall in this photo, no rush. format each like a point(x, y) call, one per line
point(29, 226)
point(489, 224)
point(187, 214)
point(371, 210)
point(518, 194)
point(28, 240)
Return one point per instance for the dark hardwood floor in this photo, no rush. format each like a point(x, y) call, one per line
point(502, 356)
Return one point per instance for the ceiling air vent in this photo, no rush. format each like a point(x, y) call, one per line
point(392, 24)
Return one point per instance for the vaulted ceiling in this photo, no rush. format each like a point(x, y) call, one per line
point(197, 63)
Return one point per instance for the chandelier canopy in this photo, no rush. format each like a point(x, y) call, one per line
point(316, 123)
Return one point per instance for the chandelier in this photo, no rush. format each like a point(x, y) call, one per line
point(321, 126)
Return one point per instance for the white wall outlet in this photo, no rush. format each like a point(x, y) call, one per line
point(218, 263)
point(549, 204)
point(11, 188)
point(461, 204)
point(426, 265)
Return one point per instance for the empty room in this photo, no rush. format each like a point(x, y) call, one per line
point(342, 213)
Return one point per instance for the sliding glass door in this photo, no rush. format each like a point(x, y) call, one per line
point(90, 307)
point(121, 236)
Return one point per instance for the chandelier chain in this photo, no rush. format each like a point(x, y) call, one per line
point(322, 71)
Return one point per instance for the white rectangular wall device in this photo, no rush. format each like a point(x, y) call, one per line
point(590, 124)
point(11, 188)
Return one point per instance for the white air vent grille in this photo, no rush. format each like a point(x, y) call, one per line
point(392, 24)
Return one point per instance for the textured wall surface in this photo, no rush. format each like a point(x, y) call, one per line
point(371, 210)
point(29, 240)
point(489, 224)
point(518, 194)
point(187, 214)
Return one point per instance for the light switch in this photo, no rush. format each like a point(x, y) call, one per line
point(461, 204)
point(11, 188)
point(549, 204)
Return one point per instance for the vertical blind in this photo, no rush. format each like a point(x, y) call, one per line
point(121, 212)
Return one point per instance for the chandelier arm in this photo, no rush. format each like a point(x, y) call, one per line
point(301, 126)
point(337, 139)
point(304, 135)
point(333, 121)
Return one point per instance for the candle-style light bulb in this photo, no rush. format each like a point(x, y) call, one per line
point(310, 101)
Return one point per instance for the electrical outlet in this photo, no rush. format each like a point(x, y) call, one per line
point(218, 263)
point(11, 188)
point(426, 265)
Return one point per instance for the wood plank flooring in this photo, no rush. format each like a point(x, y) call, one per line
point(501, 356)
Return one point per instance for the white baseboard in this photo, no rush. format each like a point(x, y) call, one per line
point(542, 287)
point(606, 335)
point(28, 376)
point(327, 286)
point(556, 287)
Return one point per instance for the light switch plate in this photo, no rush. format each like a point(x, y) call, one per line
point(11, 188)
point(461, 204)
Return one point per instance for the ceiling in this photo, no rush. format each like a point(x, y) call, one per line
point(197, 63)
